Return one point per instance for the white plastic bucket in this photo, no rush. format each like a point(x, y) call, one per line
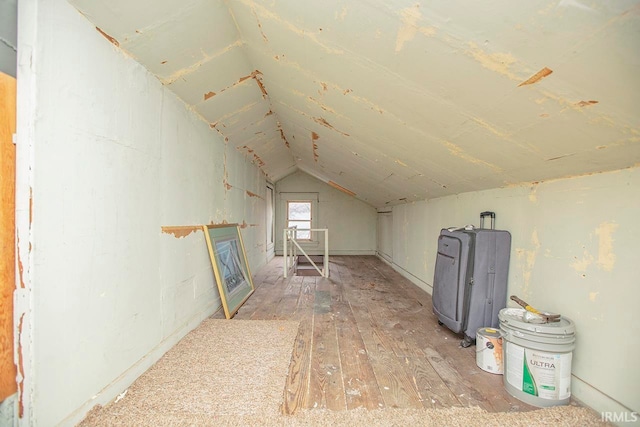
point(537, 358)
point(489, 350)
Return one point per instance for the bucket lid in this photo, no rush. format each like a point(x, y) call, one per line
point(489, 332)
point(514, 318)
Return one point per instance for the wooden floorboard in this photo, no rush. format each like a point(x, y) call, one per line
point(368, 338)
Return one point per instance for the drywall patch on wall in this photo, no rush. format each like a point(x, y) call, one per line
point(606, 256)
point(252, 194)
point(581, 265)
point(527, 261)
point(324, 107)
point(258, 79)
point(266, 14)
point(314, 145)
point(325, 123)
point(499, 62)
point(256, 159)
point(490, 128)
point(533, 198)
point(245, 224)
point(459, 152)
point(227, 116)
point(264, 36)
point(342, 15)
point(284, 138)
point(572, 104)
point(411, 17)
point(180, 231)
point(181, 74)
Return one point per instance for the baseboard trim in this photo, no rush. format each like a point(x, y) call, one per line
point(120, 384)
point(335, 252)
point(386, 258)
point(350, 252)
point(407, 275)
point(389, 262)
point(607, 407)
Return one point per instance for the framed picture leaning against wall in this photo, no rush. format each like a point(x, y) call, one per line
point(230, 265)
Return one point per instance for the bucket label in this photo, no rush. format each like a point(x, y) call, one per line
point(541, 374)
point(489, 352)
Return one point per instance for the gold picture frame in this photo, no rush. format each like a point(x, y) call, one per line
point(230, 265)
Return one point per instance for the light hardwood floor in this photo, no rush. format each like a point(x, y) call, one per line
point(368, 338)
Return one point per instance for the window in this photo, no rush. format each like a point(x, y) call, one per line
point(299, 216)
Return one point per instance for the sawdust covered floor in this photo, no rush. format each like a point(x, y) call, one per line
point(368, 339)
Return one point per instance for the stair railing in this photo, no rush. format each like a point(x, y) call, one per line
point(289, 250)
point(291, 246)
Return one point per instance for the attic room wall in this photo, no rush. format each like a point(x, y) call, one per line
point(351, 222)
point(574, 251)
point(107, 156)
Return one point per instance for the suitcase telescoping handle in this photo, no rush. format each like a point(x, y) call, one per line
point(493, 219)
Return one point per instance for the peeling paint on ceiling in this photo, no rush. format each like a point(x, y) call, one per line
point(403, 100)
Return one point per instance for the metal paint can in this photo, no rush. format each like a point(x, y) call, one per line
point(489, 350)
point(537, 368)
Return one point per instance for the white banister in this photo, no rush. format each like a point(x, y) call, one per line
point(289, 250)
point(285, 265)
point(290, 244)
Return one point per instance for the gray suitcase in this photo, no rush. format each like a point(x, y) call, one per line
point(470, 279)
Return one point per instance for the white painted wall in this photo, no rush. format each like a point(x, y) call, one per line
point(574, 251)
point(351, 222)
point(107, 156)
point(385, 234)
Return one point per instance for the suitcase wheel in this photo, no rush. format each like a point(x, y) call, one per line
point(440, 323)
point(466, 342)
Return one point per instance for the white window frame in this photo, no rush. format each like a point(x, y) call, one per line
point(310, 220)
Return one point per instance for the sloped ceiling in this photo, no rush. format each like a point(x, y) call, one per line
point(398, 101)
